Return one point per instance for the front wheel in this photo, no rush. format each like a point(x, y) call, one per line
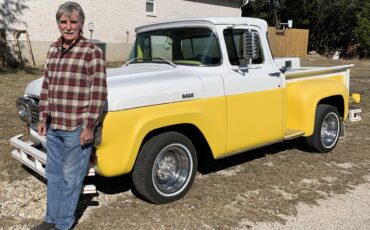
point(165, 168)
point(326, 130)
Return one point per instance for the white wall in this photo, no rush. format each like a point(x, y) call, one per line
point(114, 20)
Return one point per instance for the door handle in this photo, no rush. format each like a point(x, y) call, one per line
point(275, 74)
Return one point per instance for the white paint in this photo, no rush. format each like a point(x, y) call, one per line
point(196, 21)
point(145, 84)
point(295, 62)
point(150, 84)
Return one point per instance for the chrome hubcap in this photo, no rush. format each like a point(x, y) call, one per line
point(166, 168)
point(171, 171)
point(329, 130)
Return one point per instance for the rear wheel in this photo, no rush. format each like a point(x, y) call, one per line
point(326, 130)
point(165, 168)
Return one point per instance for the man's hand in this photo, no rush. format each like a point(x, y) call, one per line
point(86, 136)
point(41, 129)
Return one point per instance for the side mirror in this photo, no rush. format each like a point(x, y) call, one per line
point(250, 45)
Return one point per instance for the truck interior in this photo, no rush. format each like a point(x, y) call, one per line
point(184, 46)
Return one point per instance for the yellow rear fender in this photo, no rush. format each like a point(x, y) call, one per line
point(124, 131)
point(304, 96)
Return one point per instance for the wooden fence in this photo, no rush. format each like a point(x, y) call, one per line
point(288, 42)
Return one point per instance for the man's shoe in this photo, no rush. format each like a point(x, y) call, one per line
point(44, 226)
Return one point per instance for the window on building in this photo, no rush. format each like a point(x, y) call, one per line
point(150, 7)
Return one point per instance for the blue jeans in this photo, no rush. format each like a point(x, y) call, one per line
point(66, 167)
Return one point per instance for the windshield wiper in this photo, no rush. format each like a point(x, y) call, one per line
point(135, 59)
point(167, 61)
point(131, 60)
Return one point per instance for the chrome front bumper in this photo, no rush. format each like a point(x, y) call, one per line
point(33, 155)
point(28, 154)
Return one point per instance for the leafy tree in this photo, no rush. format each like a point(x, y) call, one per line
point(362, 30)
point(330, 22)
point(333, 24)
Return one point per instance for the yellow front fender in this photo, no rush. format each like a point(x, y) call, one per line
point(304, 96)
point(124, 131)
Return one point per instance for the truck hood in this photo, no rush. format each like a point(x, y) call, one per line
point(138, 85)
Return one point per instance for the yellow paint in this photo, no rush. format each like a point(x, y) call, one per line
point(356, 98)
point(187, 62)
point(229, 124)
point(140, 53)
point(254, 119)
point(334, 77)
point(124, 131)
point(303, 97)
point(339, 78)
point(285, 110)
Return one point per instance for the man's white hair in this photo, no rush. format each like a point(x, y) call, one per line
point(67, 8)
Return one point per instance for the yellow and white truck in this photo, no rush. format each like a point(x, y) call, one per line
point(194, 86)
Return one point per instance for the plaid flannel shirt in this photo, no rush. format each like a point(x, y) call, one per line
point(74, 87)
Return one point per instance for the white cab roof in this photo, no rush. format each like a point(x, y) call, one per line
point(203, 21)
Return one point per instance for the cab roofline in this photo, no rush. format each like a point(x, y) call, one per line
point(203, 21)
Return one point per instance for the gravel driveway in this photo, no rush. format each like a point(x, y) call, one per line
point(276, 187)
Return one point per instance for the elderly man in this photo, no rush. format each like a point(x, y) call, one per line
point(72, 97)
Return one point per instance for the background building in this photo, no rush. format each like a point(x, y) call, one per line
point(112, 22)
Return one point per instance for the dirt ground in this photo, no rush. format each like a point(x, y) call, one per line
point(264, 185)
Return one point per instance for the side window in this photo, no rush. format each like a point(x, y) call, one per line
point(234, 46)
point(150, 7)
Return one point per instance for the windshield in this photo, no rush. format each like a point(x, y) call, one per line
point(184, 46)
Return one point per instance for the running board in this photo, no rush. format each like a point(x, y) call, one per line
point(35, 159)
point(292, 133)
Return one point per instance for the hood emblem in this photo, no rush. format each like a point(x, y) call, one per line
point(187, 95)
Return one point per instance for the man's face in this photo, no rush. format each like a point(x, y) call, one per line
point(69, 27)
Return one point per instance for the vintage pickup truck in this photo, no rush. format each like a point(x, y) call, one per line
point(200, 86)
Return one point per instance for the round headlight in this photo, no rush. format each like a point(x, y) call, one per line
point(23, 112)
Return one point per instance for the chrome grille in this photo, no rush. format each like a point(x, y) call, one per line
point(34, 121)
point(33, 106)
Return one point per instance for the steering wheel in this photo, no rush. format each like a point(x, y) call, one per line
point(204, 59)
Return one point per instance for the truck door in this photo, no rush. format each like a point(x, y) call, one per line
point(255, 96)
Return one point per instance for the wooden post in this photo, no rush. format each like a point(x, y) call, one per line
point(3, 62)
point(16, 34)
point(30, 49)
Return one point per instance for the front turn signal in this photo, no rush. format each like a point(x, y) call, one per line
point(355, 98)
